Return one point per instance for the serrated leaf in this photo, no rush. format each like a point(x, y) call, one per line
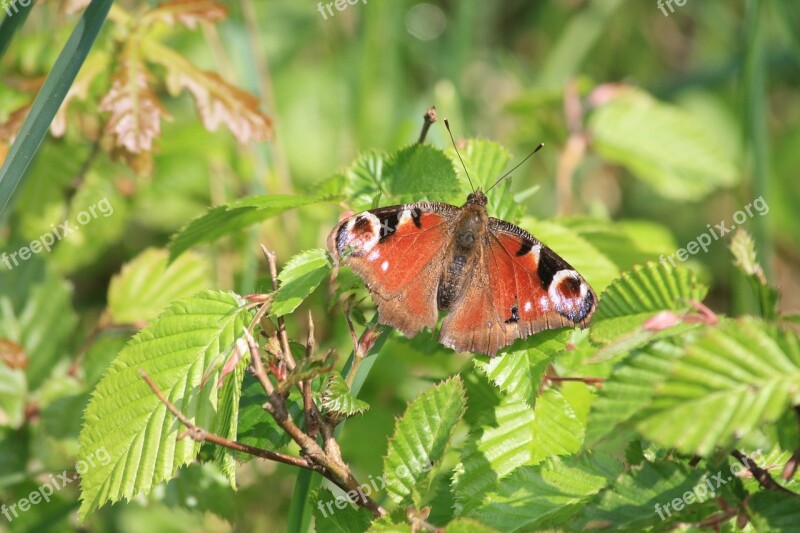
point(669, 148)
point(257, 427)
point(556, 428)
point(135, 111)
point(494, 452)
point(228, 218)
point(640, 294)
point(338, 399)
point(630, 387)
point(364, 181)
point(420, 437)
point(149, 282)
point(485, 162)
point(519, 373)
point(13, 396)
point(420, 170)
point(743, 249)
point(534, 498)
point(632, 502)
point(126, 420)
point(730, 382)
point(226, 421)
point(298, 279)
point(331, 515)
point(218, 102)
point(773, 511)
point(468, 525)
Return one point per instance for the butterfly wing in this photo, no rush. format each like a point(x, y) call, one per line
point(398, 251)
point(519, 287)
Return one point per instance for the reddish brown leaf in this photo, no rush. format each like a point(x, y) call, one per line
point(135, 111)
point(218, 102)
point(187, 12)
point(13, 354)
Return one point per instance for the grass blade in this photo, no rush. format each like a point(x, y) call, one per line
point(50, 97)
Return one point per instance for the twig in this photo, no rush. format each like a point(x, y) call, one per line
point(597, 382)
point(199, 434)
point(429, 117)
point(762, 476)
point(284, 339)
point(313, 419)
point(257, 365)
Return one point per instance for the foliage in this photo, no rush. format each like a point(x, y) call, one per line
point(201, 127)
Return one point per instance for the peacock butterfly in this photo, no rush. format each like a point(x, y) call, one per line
point(496, 282)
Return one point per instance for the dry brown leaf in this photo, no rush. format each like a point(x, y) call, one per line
point(218, 102)
point(136, 113)
point(186, 12)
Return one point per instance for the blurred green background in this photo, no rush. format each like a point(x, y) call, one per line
point(336, 86)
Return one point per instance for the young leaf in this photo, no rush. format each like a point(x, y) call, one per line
point(535, 498)
point(338, 399)
point(485, 161)
point(228, 218)
point(332, 518)
point(145, 286)
point(743, 249)
point(639, 295)
point(298, 279)
point(364, 181)
point(420, 437)
point(730, 382)
point(129, 423)
point(645, 135)
point(136, 112)
point(218, 102)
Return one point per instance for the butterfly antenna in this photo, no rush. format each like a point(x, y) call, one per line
point(447, 125)
point(501, 178)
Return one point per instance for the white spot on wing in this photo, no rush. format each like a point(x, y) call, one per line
point(566, 306)
point(544, 303)
point(528, 307)
point(373, 255)
point(385, 266)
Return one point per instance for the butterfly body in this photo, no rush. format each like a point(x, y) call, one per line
point(496, 282)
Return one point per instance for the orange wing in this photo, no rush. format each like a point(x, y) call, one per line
point(519, 287)
point(399, 253)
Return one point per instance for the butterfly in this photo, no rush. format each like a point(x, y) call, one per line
point(496, 282)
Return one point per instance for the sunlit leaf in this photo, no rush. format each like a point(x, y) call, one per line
point(129, 423)
point(298, 279)
point(336, 514)
point(338, 399)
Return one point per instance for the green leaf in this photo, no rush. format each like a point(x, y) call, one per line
point(36, 313)
point(338, 399)
point(773, 511)
point(50, 96)
point(420, 170)
point(335, 514)
point(257, 427)
point(468, 525)
point(129, 424)
point(13, 396)
point(201, 488)
point(228, 218)
point(534, 498)
point(630, 388)
point(146, 285)
point(364, 181)
point(640, 294)
point(420, 437)
point(485, 161)
point(519, 373)
point(226, 421)
point(298, 279)
point(556, 428)
point(733, 380)
point(633, 501)
point(644, 135)
point(494, 451)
